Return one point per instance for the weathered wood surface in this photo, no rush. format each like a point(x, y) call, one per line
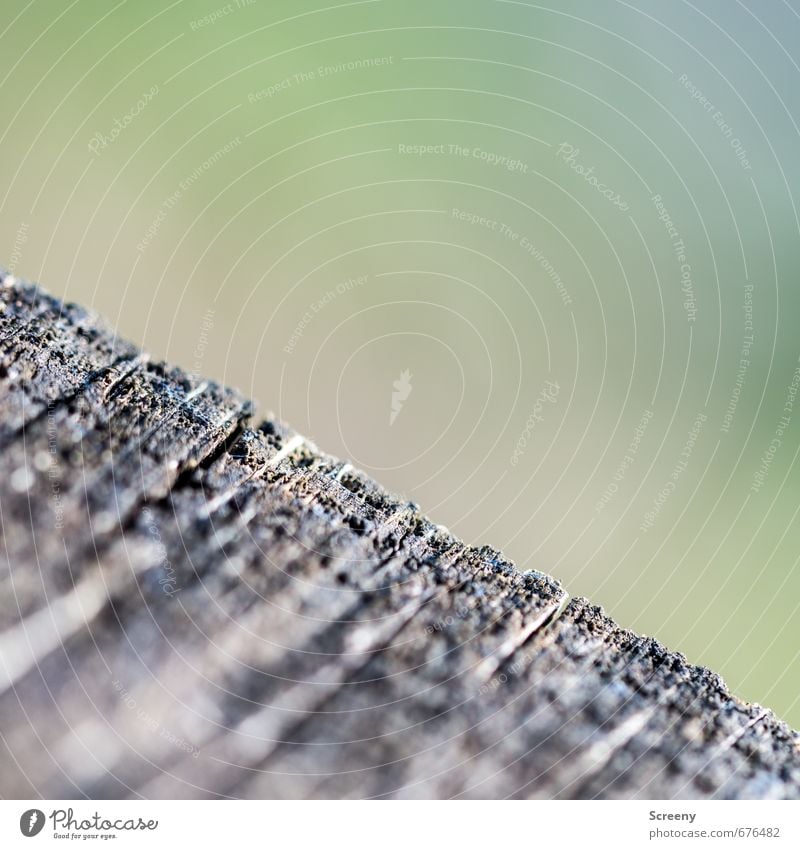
point(195, 606)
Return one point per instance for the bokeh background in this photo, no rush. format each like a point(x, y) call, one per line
point(533, 266)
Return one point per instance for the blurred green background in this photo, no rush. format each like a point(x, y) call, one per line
point(308, 201)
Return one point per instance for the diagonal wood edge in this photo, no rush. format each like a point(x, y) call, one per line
point(196, 605)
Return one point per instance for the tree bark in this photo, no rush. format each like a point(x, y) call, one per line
point(199, 606)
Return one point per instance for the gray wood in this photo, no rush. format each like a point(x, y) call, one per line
point(194, 605)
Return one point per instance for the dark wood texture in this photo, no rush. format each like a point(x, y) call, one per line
point(198, 606)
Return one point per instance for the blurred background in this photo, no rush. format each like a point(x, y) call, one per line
point(534, 267)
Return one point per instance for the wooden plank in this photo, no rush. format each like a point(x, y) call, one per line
point(198, 606)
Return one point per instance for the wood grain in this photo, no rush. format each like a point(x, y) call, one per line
point(195, 605)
